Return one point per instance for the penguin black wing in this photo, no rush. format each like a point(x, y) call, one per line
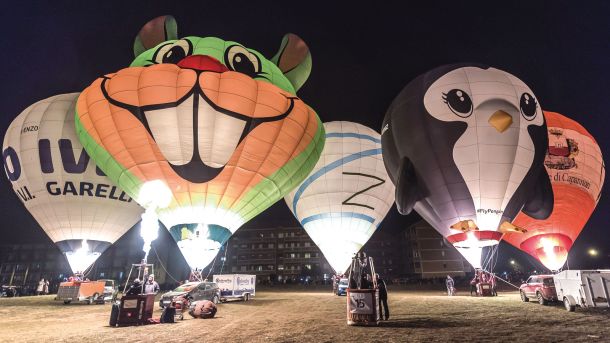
point(407, 193)
point(540, 204)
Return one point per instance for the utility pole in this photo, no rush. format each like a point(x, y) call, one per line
point(12, 275)
point(25, 278)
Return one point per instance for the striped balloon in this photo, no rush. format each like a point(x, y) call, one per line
point(347, 195)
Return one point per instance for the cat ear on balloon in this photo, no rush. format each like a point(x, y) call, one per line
point(154, 32)
point(294, 60)
point(293, 57)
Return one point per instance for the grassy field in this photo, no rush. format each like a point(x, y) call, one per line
point(314, 316)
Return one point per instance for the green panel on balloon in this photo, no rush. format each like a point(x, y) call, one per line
point(213, 124)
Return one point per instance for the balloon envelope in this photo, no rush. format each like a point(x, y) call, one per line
point(225, 145)
point(79, 208)
point(464, 145)
point(575, 166)
point(346, 196)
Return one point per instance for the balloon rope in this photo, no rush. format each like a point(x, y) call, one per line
point(505, 281)
point(211, 268)
point(161, 263)
point(225, 257)
point(89, 269)
point(485, 263)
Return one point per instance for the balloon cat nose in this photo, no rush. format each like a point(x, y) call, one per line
point(500, 120)
point(203, 63)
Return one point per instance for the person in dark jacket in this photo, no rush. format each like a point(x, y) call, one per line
point(383, 298)
point(135, 288)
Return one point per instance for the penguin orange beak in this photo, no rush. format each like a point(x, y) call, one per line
point(500, 120)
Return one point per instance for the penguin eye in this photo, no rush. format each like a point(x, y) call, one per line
point(528, 106)
point(459, 102)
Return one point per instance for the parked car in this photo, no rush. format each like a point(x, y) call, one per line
point(539, 287)
point(9, 291)
point(584, 288)
point(195, 291)
point(342, 287)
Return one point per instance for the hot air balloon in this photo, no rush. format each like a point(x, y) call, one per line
point(576, 169)
point(215, 125)
point(79, 208)
point(346, 196)
point(464, 145)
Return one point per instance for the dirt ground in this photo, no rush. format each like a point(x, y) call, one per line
point(315, 316)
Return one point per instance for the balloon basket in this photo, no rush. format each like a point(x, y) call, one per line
point(363, 307)
point(362, 293)
point(136, 309)
point(484, 289)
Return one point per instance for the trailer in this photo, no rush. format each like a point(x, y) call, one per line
point(236, 286)
point(585, 288)
point(85, 291)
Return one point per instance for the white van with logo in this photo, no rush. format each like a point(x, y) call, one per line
point(236, 286)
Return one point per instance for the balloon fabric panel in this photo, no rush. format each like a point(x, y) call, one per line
point(59, 184)
point(253, 138)
point(346, 196)
point(576, 169)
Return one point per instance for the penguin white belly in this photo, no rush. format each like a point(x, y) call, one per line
point(492, 164)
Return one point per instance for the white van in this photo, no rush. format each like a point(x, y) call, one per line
point(585, 288)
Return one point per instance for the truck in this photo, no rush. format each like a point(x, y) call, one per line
point(236, 286)
point(584, 288)
point(89, 292)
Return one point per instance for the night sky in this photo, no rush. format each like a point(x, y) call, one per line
point(362, 57)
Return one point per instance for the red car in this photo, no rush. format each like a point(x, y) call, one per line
point(539, 287)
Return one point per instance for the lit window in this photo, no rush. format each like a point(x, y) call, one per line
point(307, 255)
point(308, 266)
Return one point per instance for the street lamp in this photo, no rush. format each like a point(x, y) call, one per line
point(512, 262)
point(593, 252)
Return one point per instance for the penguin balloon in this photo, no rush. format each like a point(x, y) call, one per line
point(465, 145)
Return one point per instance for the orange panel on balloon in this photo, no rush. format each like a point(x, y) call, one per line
point(575, 165)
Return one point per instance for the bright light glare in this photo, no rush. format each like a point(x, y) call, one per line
point(551, 255)
point(472, 255)
point(593, 252)
point(155, 194)
point(548, 246)
point(210, 214)
point(512, 262)
point(149, 229)
point(198, 249)
point(339, 239)
point(82, 258)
